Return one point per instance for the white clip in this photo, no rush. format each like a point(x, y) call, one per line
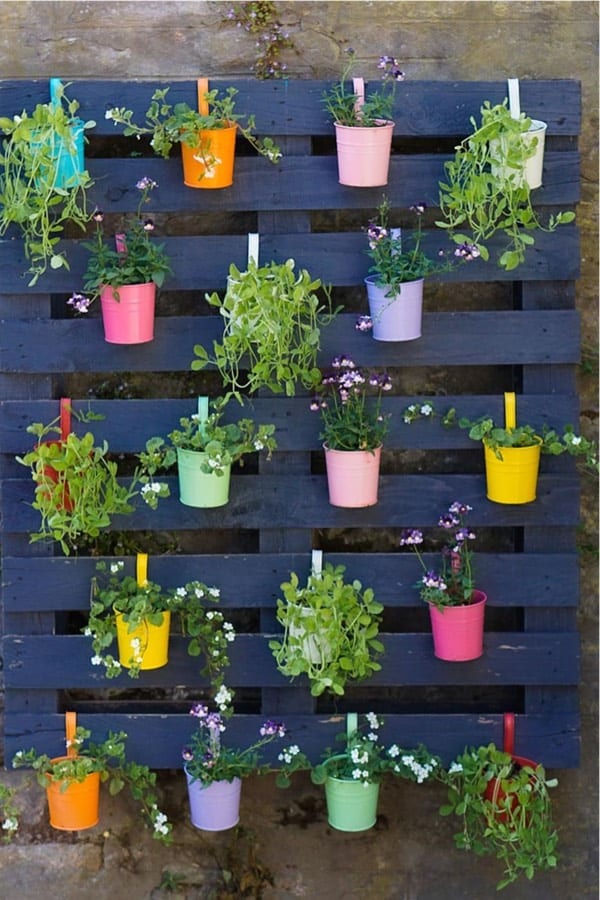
point(317, 562)
point(253, 244)
point(514, 103)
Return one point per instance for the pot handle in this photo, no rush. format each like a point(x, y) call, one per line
point(351, 724)
point(510, 410)
point(317, 562)
point(141, 569)
point(70, 726)
point(202, 87)
point(55, 92)
point(514, 103)
point(253, 245)
point(358, 86)
point(509, 733)
point(65, 418)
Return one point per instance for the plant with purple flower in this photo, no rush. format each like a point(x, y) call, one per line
point(131, 257)
point(377, 109)
point(454, 584)
point(398, 259)
point(207, 759)
point(352, 420)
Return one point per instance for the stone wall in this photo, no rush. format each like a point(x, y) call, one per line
point(433, 40)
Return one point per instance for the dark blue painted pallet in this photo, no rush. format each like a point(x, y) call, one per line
point(530, 343)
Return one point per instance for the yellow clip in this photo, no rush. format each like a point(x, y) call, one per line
point(141, 569)
point(510, 410)
point(202, 101)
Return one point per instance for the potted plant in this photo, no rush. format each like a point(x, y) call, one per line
point(512, 452)
point(272, 319)
point(125, 274)
point(214, 772)
point(77, 491)
point(352, 775)
point(400, 265)
point(353, 431)
point(207, 135)
point(43, 182)
point(504, 806)
point(72, 782)
point(139, 613)
point(331, 629)
point(456, 607)
point(363, 124)
point(485, 192)
point(204, 449)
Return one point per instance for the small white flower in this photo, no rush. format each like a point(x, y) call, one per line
point(199, 593)
point(10, 824)
point(426, 409)
point(210, 615)
point(394, 751)
point(455, 769)
point(87, 631)
point(116, 567)
point(109, 114)
point(214, 592)
point(96, 660)
point(356, 773)
point(372, 736)
point(180, 592)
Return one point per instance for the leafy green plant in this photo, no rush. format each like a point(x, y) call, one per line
point(377, 109)
point(107, 758)
point(350, 420)
point(32, 196)
point(271, 329)
point(77, 491)
point(9, 813)
point(454, 584)
point(171, 125)
point(484, 191)
point(224, 444)
point(259, 18)
point(193, 604)
point(496, 437)
point(504, 810)
point(207, 759)
point(130, 258)
point(331, 630)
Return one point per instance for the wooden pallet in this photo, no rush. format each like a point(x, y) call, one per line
point(528, 342)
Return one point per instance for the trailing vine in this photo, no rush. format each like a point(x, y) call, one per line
point(259, 18)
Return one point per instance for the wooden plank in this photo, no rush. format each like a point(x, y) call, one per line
point(156, 740)
point(539, 580)
point(160, 416)
point(449, 339)
point(291, 107)
point(201, 262)
point(510, 658)
point(281, 501)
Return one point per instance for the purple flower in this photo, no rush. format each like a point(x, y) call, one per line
point(419, 208)
point(464, 534)
point(148, 225)
point(271, 728)
point(364, 323)
point(187, 755)
point(467, 251)
point(146, 184)
point(98, 215)
point(431, 580)
point(410, 537)
point(448, 520)
point(460, 509)
point(79, 302)
point(200, 710)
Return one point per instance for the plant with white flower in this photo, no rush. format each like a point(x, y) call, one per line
point(221, 444)
point(116, 593)
point(9, 812)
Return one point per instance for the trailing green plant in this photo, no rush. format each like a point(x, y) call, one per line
point(511, 820)
point(331, 630)
point(455, 583)
point(485, 191)
point(272, 320)
point(341, 102)
point(222, 443)
point(107, 758)
point(496, 437)
point(77, 491)
point(362, 758)
point(9, 812)
point(131, 257)
point(112, 593)
point(32, 196)
point(352, 420)
point(259, 18)
point(181, 124)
